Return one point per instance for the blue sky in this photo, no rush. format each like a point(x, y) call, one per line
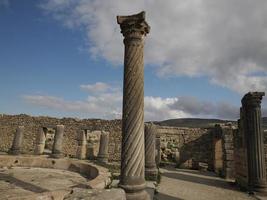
point(64, 58)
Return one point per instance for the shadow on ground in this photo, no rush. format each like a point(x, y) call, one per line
point(21, 184)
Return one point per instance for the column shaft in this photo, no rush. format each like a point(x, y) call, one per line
point(133, 28)
point(158, 152)
point(17, 141)
point(103, 147)
point(82, 141)
point(40, 141)
point(150, 162)
point(58, 140)
point(254, 138)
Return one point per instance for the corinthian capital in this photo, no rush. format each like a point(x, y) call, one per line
point(133, 25)
point(252, 99)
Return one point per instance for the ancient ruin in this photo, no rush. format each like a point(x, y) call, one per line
point(151, 170)
point(57, 145)
point(251, 111)
point(129, 159)
point(134, 29)
point(103, 147)
point(82, 142)
point(17, 141)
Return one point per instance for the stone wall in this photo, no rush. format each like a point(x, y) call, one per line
point(224, 135)
point(188, 147)
point(9, 123)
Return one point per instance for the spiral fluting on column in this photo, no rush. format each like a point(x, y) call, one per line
point(133, 28)
point(151, 171)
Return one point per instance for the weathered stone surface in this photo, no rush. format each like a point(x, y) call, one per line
point(251, 105)
point(158, 151)
point(103, 147)
point(151, 170)
point(81, 149)
point(85, 194)
point(9, 123)
point(40, 141)
point(17, 141)
point(57, 146)
point(133, 28)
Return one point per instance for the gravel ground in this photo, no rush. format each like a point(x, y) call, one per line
point(181, 184)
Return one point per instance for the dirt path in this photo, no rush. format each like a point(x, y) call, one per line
point(180, 184)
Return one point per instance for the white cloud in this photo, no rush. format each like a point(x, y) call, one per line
point(223, 40)
point(108, 105)
point(157, 108)
point(95, 88)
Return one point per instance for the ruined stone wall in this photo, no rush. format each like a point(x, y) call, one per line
point(9, 123)
point(186, 146)
point(225, 135)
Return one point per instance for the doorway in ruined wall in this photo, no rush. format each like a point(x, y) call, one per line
point(218, 156)
point(49, 139)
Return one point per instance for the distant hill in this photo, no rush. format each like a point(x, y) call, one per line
point(193, 122)
point(200, 123)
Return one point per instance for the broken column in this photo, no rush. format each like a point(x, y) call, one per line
point(40, 141)
point(158, 152)
point(57, 146)
point(151, 171)
point(81, 149)
point(103, 147)
point(17, 141)
point(90, 147)
point(134, 29)
point(251, 104)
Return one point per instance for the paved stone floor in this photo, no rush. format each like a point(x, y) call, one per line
point(22, 181)
point(181, 184)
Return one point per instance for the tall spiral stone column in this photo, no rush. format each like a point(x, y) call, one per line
point(134, 29)
point(251, 103)
point(151, 171)
point(17, 141)
point(57, 146)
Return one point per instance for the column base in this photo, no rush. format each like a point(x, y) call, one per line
point(261, 189)
point(103, 159)
point(143, 195)
point(151, 174)
point(134, 188)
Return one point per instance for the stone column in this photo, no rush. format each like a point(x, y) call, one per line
point(151, 171)
point(58, 140)
point(158, 153)
point(81, 149)
point(90, 147)
point(251, 104)
point(134, 29)
point(103, 147)
point(40, 141)
point(17, 141)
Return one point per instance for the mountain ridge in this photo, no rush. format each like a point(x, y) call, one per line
point(200, 122)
